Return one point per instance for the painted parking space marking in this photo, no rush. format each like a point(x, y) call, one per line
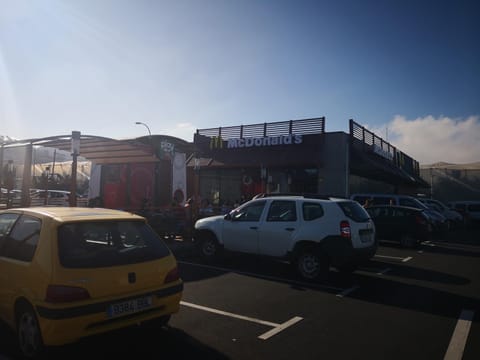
point(280, 327)
point(266, 277)
point(460, 335)
point(384, 271)
point(428, 243)
point(277, 328)
point(402, 259)
point(348, 291)
point(376, 270)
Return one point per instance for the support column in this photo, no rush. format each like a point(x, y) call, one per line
point(27, 176)
point(1, 164)
point(73, 180)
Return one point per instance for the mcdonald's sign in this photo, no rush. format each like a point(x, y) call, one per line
point(216, 142)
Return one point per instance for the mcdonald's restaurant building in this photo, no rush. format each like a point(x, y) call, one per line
point(235, 163)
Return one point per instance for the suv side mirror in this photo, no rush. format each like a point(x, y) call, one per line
point(228, 217)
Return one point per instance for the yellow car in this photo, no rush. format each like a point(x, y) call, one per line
point(67, 273)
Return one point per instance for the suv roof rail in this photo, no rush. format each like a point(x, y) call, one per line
point(304, 195)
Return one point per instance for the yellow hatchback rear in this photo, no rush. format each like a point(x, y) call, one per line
point(68, 273)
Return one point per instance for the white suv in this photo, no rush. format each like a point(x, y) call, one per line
point(311, 232)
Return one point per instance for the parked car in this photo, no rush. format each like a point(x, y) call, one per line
point(409, 226)
point(67, 273)
point(39, 197)
point(438, 221)
point(311, 232)
point(454, 218)
point(469, 209)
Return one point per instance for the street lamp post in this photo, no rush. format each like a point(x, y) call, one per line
point(141, 123)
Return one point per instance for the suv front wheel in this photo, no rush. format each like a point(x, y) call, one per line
point(312, 264)
point(208, 246)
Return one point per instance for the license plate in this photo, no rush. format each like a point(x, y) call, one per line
point(366, 235)
point(366, 238)
point(129, 306)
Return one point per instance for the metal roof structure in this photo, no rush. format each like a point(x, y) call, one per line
point(97, 149)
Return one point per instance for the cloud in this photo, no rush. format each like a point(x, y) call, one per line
point(431, 139)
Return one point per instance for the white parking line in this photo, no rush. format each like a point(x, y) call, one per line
point(428, 243)
point(460, 335)
point(348, 291)
point(384, 271)
point(280, 327)
point(395, 257)
point(266, 277)
point(276, 327)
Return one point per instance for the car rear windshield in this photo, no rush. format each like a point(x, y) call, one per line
point(354, 211)
point(108, 243)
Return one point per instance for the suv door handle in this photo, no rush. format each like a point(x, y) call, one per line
point(254, 227)
point(289, 229)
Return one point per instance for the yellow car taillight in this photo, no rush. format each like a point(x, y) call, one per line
point(62, 293)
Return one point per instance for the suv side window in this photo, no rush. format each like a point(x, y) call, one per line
point(312, 211)
point(22, 241)
point(250, 212)
point(353, 210)
point(282, 210)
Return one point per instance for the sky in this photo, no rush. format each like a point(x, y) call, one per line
point(408, 70)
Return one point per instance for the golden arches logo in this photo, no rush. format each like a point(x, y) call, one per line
point(216, 142)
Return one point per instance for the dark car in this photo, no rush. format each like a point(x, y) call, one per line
point(409, 226)
point(437, 221)
point(469, 209)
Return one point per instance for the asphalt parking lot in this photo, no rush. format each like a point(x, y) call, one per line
point(418, 303)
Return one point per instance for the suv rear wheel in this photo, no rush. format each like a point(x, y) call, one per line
point(312, 263)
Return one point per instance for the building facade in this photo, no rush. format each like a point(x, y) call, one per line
point(231, 164)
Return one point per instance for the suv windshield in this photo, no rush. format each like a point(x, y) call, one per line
point(354, 211)
point(108, 243)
